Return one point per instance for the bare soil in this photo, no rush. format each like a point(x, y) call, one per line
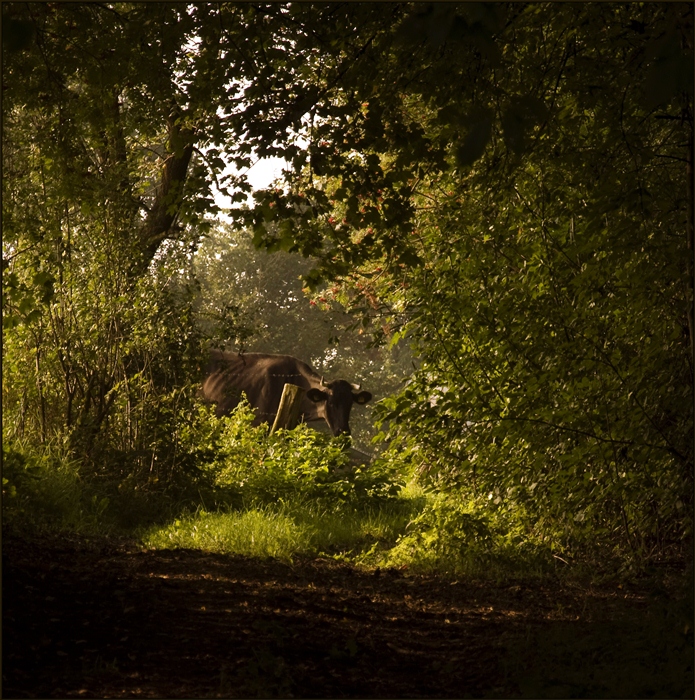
point(105, 619)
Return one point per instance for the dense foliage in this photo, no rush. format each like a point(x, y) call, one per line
point(506, 187)
point(250, 465)
point(521, 208)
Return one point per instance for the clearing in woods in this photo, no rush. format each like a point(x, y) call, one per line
point(98, 618)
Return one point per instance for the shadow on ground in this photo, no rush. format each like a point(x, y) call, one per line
point(102, 619)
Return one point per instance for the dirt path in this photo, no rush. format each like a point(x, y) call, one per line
point(104, 620)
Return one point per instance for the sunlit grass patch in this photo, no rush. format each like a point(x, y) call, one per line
point(493, 565)
point(463, 537)
point(291, 528)
point(255, 533)
point(281, 533)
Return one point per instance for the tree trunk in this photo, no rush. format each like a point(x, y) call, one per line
point(164, 211)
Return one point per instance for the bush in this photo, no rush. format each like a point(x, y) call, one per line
point(247, 464)
point(458, 534)
point(44, 490)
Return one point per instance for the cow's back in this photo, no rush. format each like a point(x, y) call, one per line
point(261, 377)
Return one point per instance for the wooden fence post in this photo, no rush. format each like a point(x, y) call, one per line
point(288, 411)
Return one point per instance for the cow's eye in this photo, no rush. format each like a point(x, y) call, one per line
point(316, 395)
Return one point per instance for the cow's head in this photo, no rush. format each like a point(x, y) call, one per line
point(334, 400)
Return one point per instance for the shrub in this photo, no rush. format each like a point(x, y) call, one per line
point(248, 464)
point(44, 490)
point(454, 533)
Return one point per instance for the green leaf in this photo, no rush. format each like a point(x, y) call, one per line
point(287, 235)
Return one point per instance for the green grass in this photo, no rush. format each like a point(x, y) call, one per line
point(495, 565)
point(258, 532)
point(46, 493)
point(371, 535)
point(426, 533)
point(55, 498)
point(292, 528)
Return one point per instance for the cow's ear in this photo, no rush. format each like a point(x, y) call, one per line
point(316, 395)
point(363, 397)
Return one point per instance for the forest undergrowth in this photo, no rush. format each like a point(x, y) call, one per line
point(530, 624)
point(288, 523)
point(300, 494)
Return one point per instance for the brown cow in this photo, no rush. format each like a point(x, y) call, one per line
point(262, 378)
